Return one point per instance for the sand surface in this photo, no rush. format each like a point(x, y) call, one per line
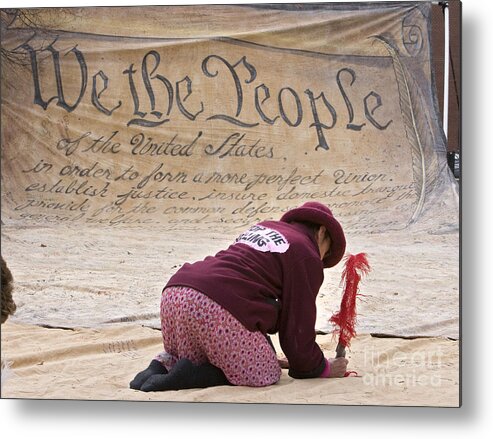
point(97, 364)
point(87, 318)
point(76, 277)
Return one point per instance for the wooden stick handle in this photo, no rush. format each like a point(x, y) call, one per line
point(340, 350)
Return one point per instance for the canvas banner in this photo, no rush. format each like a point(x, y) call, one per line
point(214, 117)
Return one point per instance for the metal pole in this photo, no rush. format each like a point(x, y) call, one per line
point(446, 69)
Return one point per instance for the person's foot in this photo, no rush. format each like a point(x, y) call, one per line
point(155, 368)
point(186, 375)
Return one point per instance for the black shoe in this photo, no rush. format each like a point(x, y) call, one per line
point(186, 375)
point(155, 368)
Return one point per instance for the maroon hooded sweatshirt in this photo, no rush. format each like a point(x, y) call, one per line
point(269, 280)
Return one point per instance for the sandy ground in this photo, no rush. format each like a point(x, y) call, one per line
point(91, 277)
point(88, 302)
point(97, 364)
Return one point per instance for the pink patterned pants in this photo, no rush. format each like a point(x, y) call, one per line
point(195, 327)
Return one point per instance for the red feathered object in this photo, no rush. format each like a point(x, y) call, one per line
point(355, 267)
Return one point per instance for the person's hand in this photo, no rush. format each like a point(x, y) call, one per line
point(338, 367)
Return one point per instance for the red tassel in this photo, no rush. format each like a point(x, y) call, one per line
point(345, 319)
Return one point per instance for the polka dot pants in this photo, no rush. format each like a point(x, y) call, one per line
point(195, 327)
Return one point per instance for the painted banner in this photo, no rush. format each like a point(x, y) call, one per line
point(214, 117)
